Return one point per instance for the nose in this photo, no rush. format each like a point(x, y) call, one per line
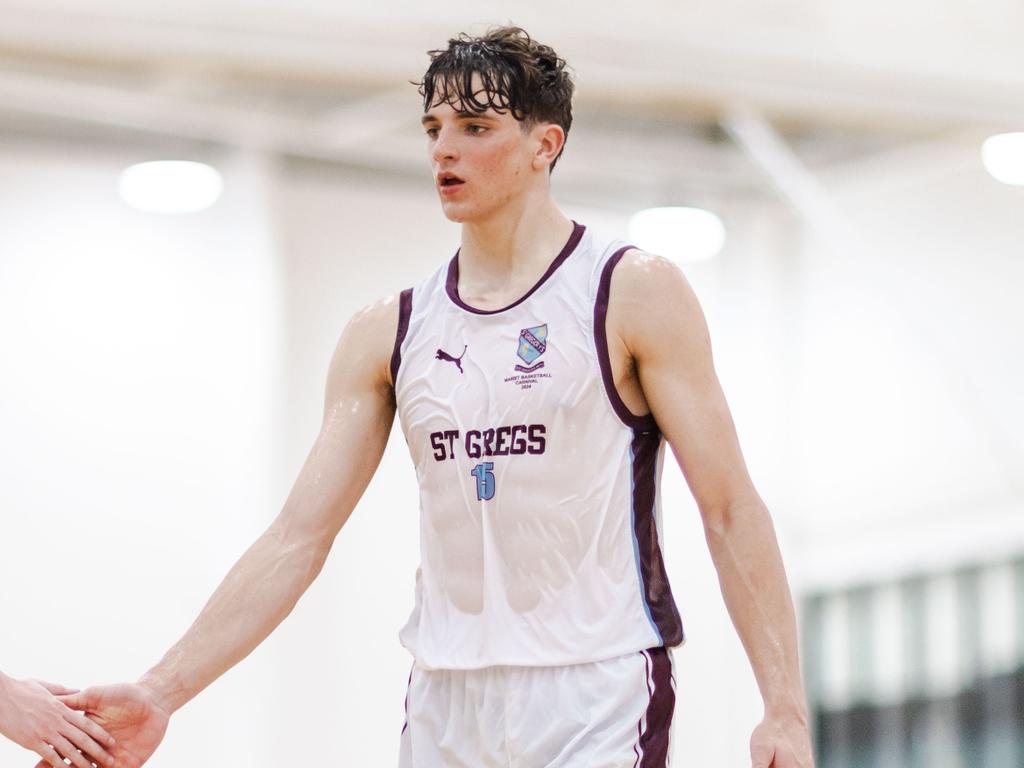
point(444, 147)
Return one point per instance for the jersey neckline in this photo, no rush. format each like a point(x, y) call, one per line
point(452, 281)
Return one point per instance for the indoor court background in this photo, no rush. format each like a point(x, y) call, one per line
point(162, 376)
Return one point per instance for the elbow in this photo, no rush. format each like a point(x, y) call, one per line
point(313, 556)
point(720, 518)
point(308, 553)
point(716, 521)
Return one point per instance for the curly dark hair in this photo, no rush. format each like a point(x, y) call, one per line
point(517, 74)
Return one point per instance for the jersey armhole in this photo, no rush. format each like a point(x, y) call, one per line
point(404, 312)
point(637, 423)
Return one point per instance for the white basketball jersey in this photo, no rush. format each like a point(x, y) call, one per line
point(540, 506)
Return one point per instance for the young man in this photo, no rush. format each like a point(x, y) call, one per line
point(535, 375)
point(33, 717)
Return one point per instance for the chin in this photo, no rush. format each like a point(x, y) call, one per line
point(457, 216)
point(461, 213)
point(458, 213)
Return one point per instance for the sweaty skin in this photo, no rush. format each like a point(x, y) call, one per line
point(661, 362)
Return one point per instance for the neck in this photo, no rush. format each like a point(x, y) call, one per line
point(511, 245)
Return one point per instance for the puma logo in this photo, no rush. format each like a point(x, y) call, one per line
point(442, 355)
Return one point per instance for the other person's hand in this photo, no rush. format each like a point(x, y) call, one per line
point(32, 716)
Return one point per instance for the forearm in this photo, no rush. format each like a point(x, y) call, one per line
point(256, 595)
point(753, 581)
point(6, 685)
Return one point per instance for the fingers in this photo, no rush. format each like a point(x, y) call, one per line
point(66, 749)
point(86, 743)
point(83, 723)
point(76, 700)
point(50, 757)
point(45, 763)
point(57, 690)
point(762, 757)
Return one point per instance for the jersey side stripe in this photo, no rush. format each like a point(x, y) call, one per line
point(601, 337)
point(404, 311)
point(656, 593)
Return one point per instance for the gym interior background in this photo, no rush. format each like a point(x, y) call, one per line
point(162, 373)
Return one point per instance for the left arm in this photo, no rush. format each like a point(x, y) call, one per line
point(659, 322)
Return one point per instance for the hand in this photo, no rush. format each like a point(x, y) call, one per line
point(128, 712)
point(781, 742)
point(33, 717)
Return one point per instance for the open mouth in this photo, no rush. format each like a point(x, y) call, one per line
point(450, 180)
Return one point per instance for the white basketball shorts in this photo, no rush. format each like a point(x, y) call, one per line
point(615, 713)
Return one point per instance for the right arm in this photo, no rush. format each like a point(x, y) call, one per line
point(266, 583)
point(262, 588)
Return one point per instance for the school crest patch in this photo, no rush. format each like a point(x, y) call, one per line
point(532, 344)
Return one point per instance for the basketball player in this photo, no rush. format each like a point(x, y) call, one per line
point(536, 375)
point(33, 717)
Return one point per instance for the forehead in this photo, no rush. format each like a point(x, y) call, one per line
point(451, 99)
point(441, 112)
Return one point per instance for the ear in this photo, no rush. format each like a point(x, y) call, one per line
point(549, 138)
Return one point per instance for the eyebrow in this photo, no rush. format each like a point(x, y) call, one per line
point(462, 115)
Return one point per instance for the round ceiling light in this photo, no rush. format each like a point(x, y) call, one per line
point(678, 233)
point(170, 186)
point(1003, 157)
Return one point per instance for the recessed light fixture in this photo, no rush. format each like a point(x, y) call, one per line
point(678, 233)
point(170, 186)
point(1003, 157)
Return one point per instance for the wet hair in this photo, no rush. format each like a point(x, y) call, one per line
point(517, 74)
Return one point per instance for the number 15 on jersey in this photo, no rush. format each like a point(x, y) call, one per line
point(484, 474)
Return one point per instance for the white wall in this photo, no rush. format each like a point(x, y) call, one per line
point(140, 405)
point(911, 449)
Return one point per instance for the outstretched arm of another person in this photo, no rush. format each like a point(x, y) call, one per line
point(263, 587)
point(33, 717)
point(663, 328)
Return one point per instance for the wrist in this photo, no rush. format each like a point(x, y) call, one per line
point(164, 692)
point(8, 687)
point(5, 694)
point(792, 708)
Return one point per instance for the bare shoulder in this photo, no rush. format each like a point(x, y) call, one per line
point(652, 302)
point(376, 318)
point(362, 356)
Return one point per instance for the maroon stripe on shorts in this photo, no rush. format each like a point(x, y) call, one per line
point(639, 723)
point(662, 702)
point(407, 697)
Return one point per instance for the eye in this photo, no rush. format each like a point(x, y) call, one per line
point(431, 132)
point(474, 126)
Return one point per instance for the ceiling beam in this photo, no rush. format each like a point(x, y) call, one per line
point(335, 49)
